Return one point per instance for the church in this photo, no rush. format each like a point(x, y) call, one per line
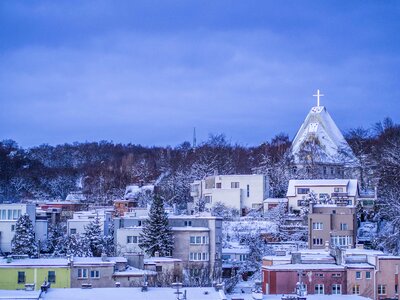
point(319, 149)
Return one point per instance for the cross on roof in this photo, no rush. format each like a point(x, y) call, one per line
point(318, 95)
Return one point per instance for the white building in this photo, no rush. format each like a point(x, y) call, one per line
point(341, 191)
point(9, 214)
point(81, 219)
point(242, 192)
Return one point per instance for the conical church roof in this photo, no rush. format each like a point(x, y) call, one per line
point(319, 126)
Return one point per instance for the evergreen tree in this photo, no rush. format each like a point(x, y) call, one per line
point(55, 236)
point(23, 241)
point(73, 244)
point(157, 235)
point(93, 237)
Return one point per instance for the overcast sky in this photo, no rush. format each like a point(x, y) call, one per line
point(149, 71)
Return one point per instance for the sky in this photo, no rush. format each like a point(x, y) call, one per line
point(148, 72)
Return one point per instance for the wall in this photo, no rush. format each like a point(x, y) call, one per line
point(9, 277)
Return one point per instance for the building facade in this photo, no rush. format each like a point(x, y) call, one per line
point(241, 192)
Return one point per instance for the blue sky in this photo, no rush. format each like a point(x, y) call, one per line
point(148, 72)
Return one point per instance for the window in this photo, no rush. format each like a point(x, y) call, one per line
point(94, 274)
point(139, 223)
point(324, 170)
point(132, 239)
point(343, 226)
point(318, 226)
point(356, 289)
point(207, 199)
point(187, 223)
point(336, 289)
point(72, 231)
point(248, 191)
point(243, 257)
point(205, 239)
point(158, 268)
point(317, 241)
point(234, 185)
point(21, 277)
point(341, 241)
point(218, 185)
point(336, 275)
point(198, 256)
point(323, 196)
point(381, 289)
point(358, 275)
point(319, 275)
point(368, 275)
point(338, 190)
point(12, 227)
point(82, 273)
point(332, 171)
point(303, 191)
point(51, 276)
point(319, 289)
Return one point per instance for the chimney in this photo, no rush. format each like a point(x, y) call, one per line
point(104, 257)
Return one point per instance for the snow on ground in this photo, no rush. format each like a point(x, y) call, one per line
point(309, 297)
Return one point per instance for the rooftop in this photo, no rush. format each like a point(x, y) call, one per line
point(291, 267)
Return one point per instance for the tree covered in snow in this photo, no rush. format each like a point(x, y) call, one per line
point(74, 245)
point(55, 236)
point(157, 235)
point(23, 241)
point(93, 237)
point(227, 213)
point(108, 242)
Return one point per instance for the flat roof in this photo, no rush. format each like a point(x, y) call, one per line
point(167, 293)
point(291, 267)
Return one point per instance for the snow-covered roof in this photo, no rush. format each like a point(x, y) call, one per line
point(291, 267)
point(161, 259)
point(276, 200)
point(356, 251)
point(190, 228)
point(167, 293)
point(359, 266)
point(131, 271)
point(85, 261)
point(75, 196)
point(351, 184)
point(133, 190)
point(34, 262)
point(319, 124)
point(19, 294)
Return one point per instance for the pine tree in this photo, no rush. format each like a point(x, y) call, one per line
point(74, 245)
point(55, 236)
point(157, 235)
point(93, 237)
point(23, 241)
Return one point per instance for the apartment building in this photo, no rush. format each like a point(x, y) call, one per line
point(81, 219)
point(362, 272)
point(242, 192)
point(9, 215)
point(197, 240)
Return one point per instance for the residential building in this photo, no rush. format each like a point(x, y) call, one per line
point(234, 255)
point(241, 192)
point(81, 219)
point(356, 271)
point(9, 215)
point(197, 240)
point(15, 273)
point(168, 269)
point(326, 191)
point(96, 271)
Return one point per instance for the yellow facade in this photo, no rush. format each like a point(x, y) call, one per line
point(36, 275)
